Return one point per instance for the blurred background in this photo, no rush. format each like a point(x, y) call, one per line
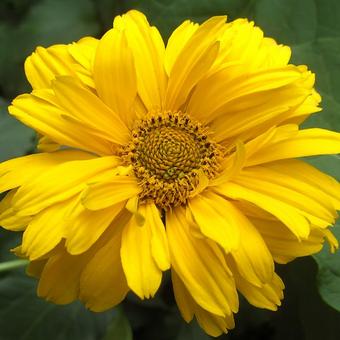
point(311, 309)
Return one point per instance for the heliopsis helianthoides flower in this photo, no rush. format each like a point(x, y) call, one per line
point(180, 157)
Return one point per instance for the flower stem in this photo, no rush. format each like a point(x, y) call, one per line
point(9, 265)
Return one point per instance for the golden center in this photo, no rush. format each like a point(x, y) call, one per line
point(170, 153)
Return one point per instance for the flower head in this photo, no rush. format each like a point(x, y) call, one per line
point(181, 157)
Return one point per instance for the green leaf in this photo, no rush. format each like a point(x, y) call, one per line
point(45, 26)
point(46, 22)
point(303, 314)
point(119, 327)
point(23, 316)
point(8, 240)
point(329, 274)
point(15, 138)
point(192, 331)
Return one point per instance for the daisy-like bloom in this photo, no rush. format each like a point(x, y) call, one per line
point(181, 157)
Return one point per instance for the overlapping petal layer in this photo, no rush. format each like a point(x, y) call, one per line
point(89, 229)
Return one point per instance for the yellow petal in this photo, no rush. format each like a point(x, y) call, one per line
point(115, 75)
point(268, 296)
point(46, 144)
point(8, 217)
point(303, 111)
point(74, 59)
point(252, 257)
point(177, 42)
point(59, 281)
point(183, 299)
point(35, 268)
point(211, 213)
point(81, 104)
point(83, 52)
point(45, 231)
point(159, 241)
point(40, 113)
point(306, 199)
point(200, 266)
point(84, 227)
point(46, 63)
point(332, 240)
point(240, 45)
point(263, 109)
point(108, 192)
point(273, 133)
point(282, 243)
point(147, 48)
point(18, 171)
point(59, 183)
point(102, 283)
point(141, 271)
point(193, 61)
point(214, 325)
point(222, 90)
point(306, 142)
point(232, 164)
point(285, 212)
point(269, 55)
point(132, 206)
point(245, 44)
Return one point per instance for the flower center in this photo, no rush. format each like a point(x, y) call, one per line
point(170, 154)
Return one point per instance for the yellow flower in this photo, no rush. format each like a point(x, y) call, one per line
point(180, 157)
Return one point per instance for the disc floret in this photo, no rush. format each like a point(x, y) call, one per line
point(169, 153)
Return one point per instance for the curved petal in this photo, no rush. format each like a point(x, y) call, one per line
point(73, 59)
point(213, 324)
point(177, 42)
point(201, 266)
point(301, 143)
point(210, 212)
point(159, 241)
point(193, 62)
point(323, 186)
point(141, 270)
point(35, 268)
point(102, 283)
point(18, 171)
point(147, 48)
point(59, 183)
point(252, 257)
point(83, 52)
point(46, 63)
point(268, 296)
point(83, 105)
point(264, 110)
point(285, 212)
point(243, 44)
point(59, 280)
point(84, 227)
point(115, 74)
point(283, 244)
point(8, 217)
point(40, 112)
point(313, 203)
point(112, 190)
point(45, 231)
point(222, 90)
